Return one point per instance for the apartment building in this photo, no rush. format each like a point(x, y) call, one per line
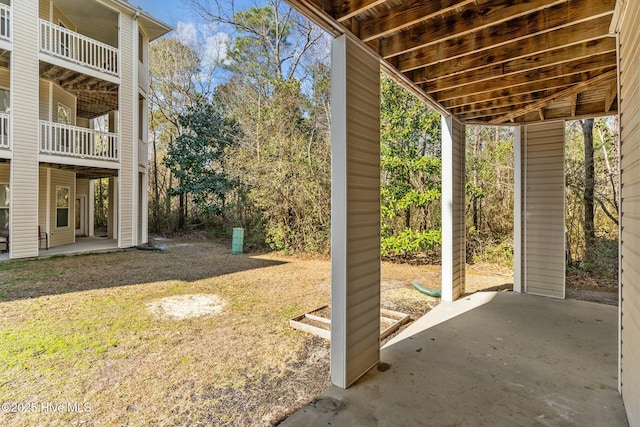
point(73, 109)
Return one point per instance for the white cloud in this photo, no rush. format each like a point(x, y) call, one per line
point(186, 33)
point(215, 49)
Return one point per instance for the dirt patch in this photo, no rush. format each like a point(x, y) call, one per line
point(187, 306)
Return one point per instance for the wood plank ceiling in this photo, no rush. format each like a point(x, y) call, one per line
point(95, 97)
point(490, 61)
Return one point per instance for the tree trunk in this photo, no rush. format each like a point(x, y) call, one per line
point(589, 187)
point(156, 187)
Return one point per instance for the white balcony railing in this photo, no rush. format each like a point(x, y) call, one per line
point(4, 131)
point(62, 43)
point(66, 140)
point(5, 22)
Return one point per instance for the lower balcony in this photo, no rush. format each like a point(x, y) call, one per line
point(72, 141)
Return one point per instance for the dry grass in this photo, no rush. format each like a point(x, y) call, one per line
point(78, 329)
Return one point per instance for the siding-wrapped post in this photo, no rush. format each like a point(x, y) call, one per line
point(628, 13)
point(453, 204)
point(518, 225)
point(24, 131)
point(544, 213)
point(355, 211)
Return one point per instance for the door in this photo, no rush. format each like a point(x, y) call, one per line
point(80, 213)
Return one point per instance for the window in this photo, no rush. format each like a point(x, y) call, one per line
point(4, 206)
point(62, 207)
point(141, 48)
point(64, 114)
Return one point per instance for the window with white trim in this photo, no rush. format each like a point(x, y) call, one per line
point(62, 206)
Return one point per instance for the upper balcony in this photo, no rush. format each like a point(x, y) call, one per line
point(67, 38)
point(65, 44)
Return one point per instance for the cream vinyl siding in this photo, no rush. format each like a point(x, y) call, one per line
point(5, 78)
point(24, 93)
point(64, 235)
point(544, 237)
point(128, 137)
point(5, 170)
point(355, 212)
point(44, 9)
point(58, 17)
point(453, 209)
point(630, 211)
point(44, 99)
point(61, 96)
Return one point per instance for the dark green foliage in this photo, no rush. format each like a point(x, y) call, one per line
point(410, 162)
point(197, 156)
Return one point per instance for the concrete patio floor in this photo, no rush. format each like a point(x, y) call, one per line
point(490, 359)
point(82, 245)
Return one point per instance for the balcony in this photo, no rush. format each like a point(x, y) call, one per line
point(73, 141)
point(5, 22)
point(4, 131)
point(62, 43)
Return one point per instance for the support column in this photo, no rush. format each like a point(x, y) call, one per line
point(112, 213)
point(355, 211)
point(128, 133)
point(91, 204)
point(544, 210)
point(453, 212)
point(518, 144)
point(23, 208)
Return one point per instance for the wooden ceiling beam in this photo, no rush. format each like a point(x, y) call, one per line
point(405, 15)
point(574, 104)
point(541, 114)
point(497, 111)
point(346, 9)
point(548, 59)
point(533, 14)
point(536, 45)
point(560, 95)
point(71, 80)
point(568, 68)
point(589, 110)
point(505, 100)
point(526, 89)
point(611, 96)
point(516, 30)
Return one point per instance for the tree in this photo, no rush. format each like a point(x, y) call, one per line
point(197, 157)
point(410, 163)
point(278, 94)
point(589, 187)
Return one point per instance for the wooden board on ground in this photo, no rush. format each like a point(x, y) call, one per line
point(318, 322)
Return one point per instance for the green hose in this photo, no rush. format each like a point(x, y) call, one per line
point(149, 248)
point(432, 293)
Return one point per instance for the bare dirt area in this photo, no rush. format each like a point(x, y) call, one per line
point(592, 287)
point(189, 336)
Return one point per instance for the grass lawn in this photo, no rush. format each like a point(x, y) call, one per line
point(79, 330)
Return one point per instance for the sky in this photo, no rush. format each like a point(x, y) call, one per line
point(168, 11)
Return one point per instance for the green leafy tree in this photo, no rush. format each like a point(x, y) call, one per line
point(411, 165)
point(197, 156)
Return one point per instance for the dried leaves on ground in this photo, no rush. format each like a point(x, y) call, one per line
point(79, 329)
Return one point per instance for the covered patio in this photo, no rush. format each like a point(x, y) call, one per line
point(81, 245)
point(525, 360)
point(529, 64)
